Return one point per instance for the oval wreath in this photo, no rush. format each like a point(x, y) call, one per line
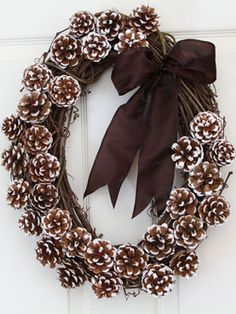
point(174, 98)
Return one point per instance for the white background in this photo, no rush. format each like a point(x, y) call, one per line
point(26, 28)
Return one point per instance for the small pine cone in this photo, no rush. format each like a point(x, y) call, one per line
point(131, 39)
point(205, 179)
point(71, 274)
point(13, 127)
point(214, 210)
point(37, 78)
point(66, 51)
point(95, 47)
point(189, 231)
point(99, 256)
point(185, 263)
point(207, 127)
point(130, 261)
point(82, 23)
point(221, 153)
point(144, 19)
point(18, 194)
point(15, 160)
point(44, 168)
point(34, 107)
point(159, 241)
point(106, 285)
point(57, 222)
point(49, 252)
point(181, 202)
point(37, 139)
point(30, 223)
point(75, 242)
point(110, 23)
point(188, 153)
point(158, 279)
point(64, 91)
point(44, 196)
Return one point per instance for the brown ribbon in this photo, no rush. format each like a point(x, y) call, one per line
point(148, 121)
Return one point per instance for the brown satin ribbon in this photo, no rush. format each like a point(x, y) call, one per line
point(148, 121)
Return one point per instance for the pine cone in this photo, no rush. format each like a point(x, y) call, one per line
point(214, 210)
point(15, 160)
point(44, 196)
point(106, 285)
point(44, 168)
point(159, 241)
point(181, 202)
point(37, 139)
point(158, 279)
point(99, 256)
point(144, 19)
point(30, 223)
point(75, 242)
point(189, 231)
point(49, 252)
point(37, 78)
point(18, 194)
point(13, 127)
point(82, 23)
point(110, 23)
point(71, 274)
point(185, 263)
point(205, 179)
point(95, 47)
point(66, 51)
point(130, 261)
point(34, 107)
point(57, 222)
point(188, 152)
point(129, 38)
point(221, 153)
point(206, 127)
point(64, 91)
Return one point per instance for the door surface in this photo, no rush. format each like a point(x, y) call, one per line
point(26, 28)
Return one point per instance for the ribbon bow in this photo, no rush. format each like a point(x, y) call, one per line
point(148, 121)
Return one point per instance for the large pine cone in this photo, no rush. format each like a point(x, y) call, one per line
point(159, 241)
point(188, 152)
point(82, 23)
point(49, 252)
point(95, 47)
point(30, 223)
point(106, 285)
point(189, 231)
point(205, 179)
point(110, 23)
point(44, 168)
point(64, 91)
point(158, 279)
point(99, 256)
point(185, 263)
point(129, 38)
point(207, 127)
point(34, 107)
point(37, 139)
point(37, 78)
point(214, 210)
point(13, 127)
point(130, 261)
point(44, 196)
point(57, 222)
point(144, 19)
point(66, 51)
point(181, 202)
point(75, 242)
point(18, 194)
point(221, 153)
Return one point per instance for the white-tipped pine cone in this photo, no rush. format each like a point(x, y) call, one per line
point(106, 285)
point(30, 223)
point(13, 127)
point(185, 263)
point(44, 196)
point(130, 38)
point(144, 19)
point(110, 23)
point(82, 23)
point(37, 78)
point(221, 153)
point(95, 47)
point(18, 194)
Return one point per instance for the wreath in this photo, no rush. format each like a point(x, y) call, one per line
point(174, 96)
